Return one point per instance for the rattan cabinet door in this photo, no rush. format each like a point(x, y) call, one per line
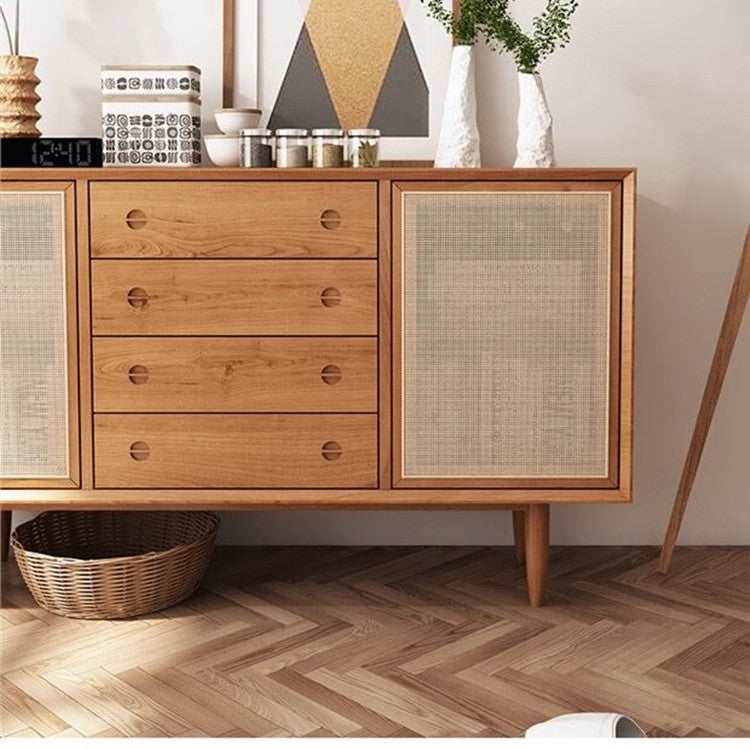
point(505, 334)
point(38, 351)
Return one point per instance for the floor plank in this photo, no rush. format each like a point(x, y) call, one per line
point(394, 642)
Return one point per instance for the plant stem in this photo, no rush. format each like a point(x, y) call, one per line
point(7, 31)
point(18, 24)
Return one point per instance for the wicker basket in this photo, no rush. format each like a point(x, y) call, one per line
point(102, 565)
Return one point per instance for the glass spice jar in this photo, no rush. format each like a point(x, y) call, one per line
point(256, 148)
point(291, 148)
point(364, 145)
point(328, 148)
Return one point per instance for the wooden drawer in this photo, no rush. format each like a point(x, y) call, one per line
point(234, 220)
point(235, 451)
point(237, 297)
point(175, 374)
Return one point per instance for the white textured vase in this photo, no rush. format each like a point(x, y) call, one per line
point(535, 146)
point(587, 726)
point(458, 145)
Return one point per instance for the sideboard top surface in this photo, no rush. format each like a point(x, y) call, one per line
point(311, 174)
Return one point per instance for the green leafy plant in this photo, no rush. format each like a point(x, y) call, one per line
point(491, 21)
point(466, 26)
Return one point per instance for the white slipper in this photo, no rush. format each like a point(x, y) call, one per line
point(587, 725)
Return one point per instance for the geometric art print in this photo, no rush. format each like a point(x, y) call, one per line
point(354, 65)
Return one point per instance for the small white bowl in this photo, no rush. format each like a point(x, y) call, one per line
point(231, 121)
point(223, 150)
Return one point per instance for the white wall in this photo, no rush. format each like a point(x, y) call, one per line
point(661, 86)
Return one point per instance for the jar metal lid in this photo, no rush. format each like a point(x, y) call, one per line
point(256, 132)
point(292, 133)
point(329, 132)
point(364, 133)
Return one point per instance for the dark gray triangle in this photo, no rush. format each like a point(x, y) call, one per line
point(403, 104)
point(303, 100)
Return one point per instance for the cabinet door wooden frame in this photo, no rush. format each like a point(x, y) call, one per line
point(67, 191)
point(614, 487)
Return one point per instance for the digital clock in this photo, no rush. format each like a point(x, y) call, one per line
point(50, 152)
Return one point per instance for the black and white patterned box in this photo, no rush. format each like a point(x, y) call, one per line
point(154, 80)
point(151, 131)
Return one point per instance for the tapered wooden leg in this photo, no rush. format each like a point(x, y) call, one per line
point(537, 551)
point(519, 534)
point(735, 311)
point(6, 516)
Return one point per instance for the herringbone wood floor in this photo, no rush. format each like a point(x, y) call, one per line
point(395, 642)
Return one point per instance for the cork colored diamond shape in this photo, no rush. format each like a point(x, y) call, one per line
point(354, 66)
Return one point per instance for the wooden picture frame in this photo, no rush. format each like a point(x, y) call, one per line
point(227, 55)
point(239, 53)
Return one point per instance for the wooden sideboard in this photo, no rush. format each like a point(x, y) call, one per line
point(395, 338)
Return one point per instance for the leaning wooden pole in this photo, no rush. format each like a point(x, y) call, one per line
point(724, 348)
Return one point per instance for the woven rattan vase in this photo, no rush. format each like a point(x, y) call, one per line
point(106, 565)
point(18, 97)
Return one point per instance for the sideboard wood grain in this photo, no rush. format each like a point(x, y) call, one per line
point(226, 451)
point(235, 374)
point(234, 297)
point(230, 220)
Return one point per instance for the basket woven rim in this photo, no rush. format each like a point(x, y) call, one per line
point(210, 516)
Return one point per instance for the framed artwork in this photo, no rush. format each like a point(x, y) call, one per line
point(344, 64)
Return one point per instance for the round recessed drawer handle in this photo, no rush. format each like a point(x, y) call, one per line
point(330, 219)
point(138, 374)
point(330, 374)
point(139, 451)
point(331, 451)
point(137, 297)
point(136, 219)
point(330, 297)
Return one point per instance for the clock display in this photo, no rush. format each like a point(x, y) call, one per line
point(47, 152)
point(51, 152)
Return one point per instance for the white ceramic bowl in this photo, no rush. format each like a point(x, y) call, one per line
point(223, 150)
point(231, 121)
